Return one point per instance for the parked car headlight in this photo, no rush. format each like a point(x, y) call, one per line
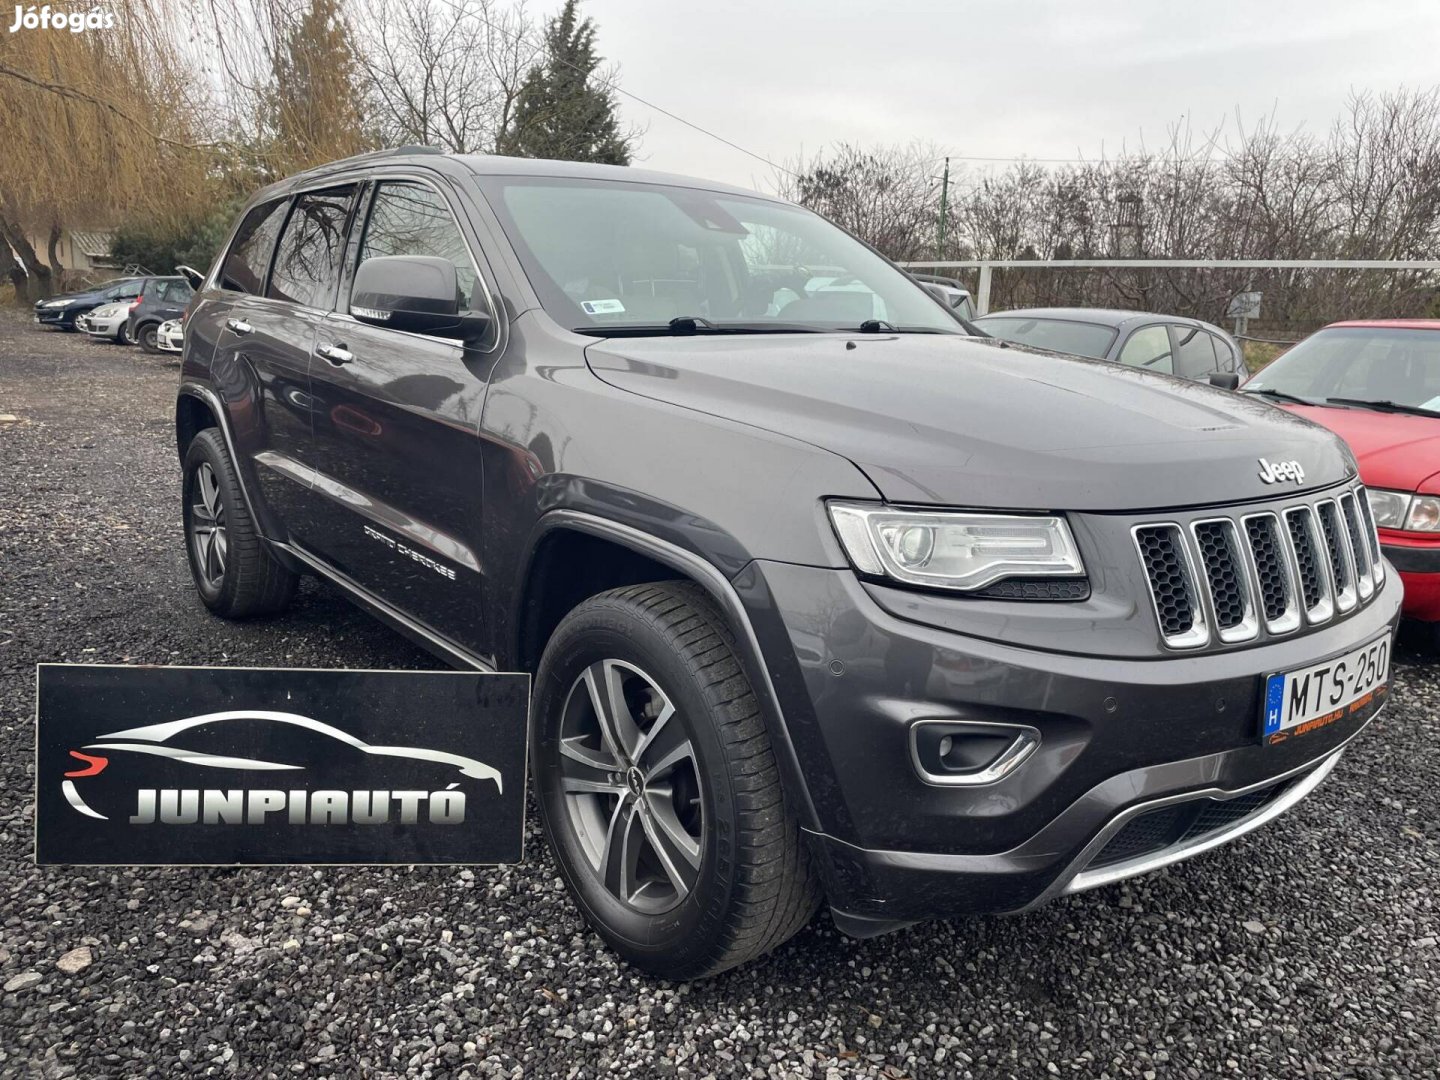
point(1389, 507)
point(1404, 511)
point(1424, 515)
point(953, 550)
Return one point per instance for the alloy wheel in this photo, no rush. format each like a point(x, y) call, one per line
point(631, 786)
point(207, 526)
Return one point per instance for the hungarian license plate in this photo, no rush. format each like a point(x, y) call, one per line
point(1299, 702)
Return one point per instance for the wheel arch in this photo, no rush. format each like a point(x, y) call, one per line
point(549, 590)
point(193, 414)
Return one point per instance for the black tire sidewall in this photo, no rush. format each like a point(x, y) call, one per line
point(681, 940)
point(206, 449)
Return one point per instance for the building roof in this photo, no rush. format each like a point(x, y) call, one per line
point(95, 244)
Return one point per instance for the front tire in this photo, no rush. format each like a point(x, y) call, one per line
point(233, 570)
point(122, 334)
point(658, 788)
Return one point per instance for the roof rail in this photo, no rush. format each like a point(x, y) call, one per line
point(373, 155)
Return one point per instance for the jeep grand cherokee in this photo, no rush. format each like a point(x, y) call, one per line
point(826, 598)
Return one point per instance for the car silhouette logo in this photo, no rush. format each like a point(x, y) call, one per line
point(168, 741)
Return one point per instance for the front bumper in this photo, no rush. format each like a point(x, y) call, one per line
point(52, 316)
point(1118, 738)
point(1419, 567)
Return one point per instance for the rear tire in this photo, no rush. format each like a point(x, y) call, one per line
point(233, 570)
point(148, 337)
point(685, 868)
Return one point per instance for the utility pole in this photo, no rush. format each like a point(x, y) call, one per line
point(944, 207)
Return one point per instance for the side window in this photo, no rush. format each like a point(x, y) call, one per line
point(176, 292)
point(1149, 348)
point(307, 259)
point(1225, 355)
point(249, 256)
point(1196, 352)
point(410, 219)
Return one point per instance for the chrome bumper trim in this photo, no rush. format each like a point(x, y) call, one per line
point(1143, 864)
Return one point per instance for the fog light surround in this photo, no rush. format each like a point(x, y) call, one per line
point(969, 753)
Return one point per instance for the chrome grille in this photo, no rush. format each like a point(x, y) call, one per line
point(1272, 571)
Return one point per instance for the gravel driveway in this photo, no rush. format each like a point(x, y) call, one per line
point(1307, 949)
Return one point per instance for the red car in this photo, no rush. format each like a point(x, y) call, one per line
point(1376, 384)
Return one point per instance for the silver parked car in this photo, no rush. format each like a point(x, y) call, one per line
point(107, 321)
point(1167, 343)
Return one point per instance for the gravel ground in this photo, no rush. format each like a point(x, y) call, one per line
point(1308, 949)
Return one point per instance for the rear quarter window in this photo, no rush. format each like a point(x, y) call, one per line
point(249, 256)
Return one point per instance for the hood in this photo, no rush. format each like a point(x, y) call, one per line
point(964, 422)
point(70, 298)
point(1394, 450)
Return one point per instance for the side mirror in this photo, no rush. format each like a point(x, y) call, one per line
point(1225, 380)
point(417, 293)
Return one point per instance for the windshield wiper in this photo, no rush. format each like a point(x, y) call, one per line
point(686, 325)
point(1383, 406)
point(1278, 395)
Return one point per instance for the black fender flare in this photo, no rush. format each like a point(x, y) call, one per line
point(704, 574)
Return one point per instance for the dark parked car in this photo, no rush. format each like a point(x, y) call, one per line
point(62, 311)
point(824, 598)
point(163, 299)
point(1165, 343)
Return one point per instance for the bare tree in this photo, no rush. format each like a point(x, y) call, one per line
point(889, 196)
point(445, 72)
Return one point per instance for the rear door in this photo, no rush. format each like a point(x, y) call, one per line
point(264, 343)
point(398, 478)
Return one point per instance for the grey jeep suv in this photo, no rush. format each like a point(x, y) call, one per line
point(826, 599)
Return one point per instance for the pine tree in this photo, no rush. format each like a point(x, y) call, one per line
point(563, 110)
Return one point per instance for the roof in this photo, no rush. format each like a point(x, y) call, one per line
point(1389, 324)
point(94, 244)
point(496, 165)
point(1099, 316)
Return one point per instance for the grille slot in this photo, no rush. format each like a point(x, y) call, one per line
point(1225, 573)
point(1162, 550)
point(1377, 564)
point(1309, 564)
point(1230, 578)
point(1277, 594)
point(1358, 547)
point(1340, 564)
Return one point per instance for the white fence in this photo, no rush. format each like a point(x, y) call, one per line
point(987, 266)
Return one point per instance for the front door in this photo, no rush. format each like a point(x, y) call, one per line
point(397, 461)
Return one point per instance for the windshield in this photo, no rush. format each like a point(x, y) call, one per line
point(605, 255)
point(1059, 335)
point(1360, 363)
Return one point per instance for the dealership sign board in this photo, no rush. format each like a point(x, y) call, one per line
point(233, 766)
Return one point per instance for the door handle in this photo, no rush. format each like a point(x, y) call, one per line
point(238, 326)
point(337, 354)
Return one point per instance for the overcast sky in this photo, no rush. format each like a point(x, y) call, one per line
point(1034, 78)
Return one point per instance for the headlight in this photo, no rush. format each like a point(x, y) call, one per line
point(949, 550)
point(1389, 507)
point(1401, 510)
point(1424, 514)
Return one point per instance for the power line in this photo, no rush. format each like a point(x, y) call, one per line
point(616, 88)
